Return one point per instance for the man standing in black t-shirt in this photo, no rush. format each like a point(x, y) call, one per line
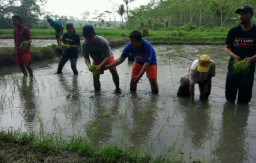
point(241, 44)
point(71, 44)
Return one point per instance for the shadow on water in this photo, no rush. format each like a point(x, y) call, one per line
point(231, 145)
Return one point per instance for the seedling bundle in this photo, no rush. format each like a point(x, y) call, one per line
point(24, 45)
point(93, 68)
point(241, 66)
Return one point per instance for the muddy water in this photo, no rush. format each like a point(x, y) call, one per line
point(35, 42)
point(165, 125)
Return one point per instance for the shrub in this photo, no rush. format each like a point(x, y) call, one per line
point(37, 54)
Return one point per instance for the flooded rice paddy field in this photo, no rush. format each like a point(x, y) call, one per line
point(67, 105)
point(35, 42)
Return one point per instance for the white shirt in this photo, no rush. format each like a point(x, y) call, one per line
point(196, 76)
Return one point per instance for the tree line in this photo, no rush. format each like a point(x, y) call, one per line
point(157, 14)
point(166, 14)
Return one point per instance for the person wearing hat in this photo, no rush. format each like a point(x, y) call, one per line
point(58, 27)
point(71, 44)
point(200, 72)
point(240, 45)
point(97, 47)
point(145, 61)
point(22, 41)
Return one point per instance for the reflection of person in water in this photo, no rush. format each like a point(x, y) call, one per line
point(230, 147)
point(71, 90)
point(143, 119)
point(198, 122)
point(99, 129)
point(27, 97)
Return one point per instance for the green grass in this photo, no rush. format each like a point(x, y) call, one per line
point(109, 153)
point(176, 35)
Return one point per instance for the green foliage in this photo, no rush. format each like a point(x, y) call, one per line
point(41, 53)
point(159, 15)
point(37, 54)
point(7, 56)
point(188, 27)
point(29, 10)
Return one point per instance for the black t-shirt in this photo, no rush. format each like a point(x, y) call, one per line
point(242, 43)
point(71, 40)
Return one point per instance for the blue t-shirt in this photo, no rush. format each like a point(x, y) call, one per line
point(145, 54)
point(57, 25)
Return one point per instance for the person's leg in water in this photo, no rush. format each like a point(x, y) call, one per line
point(23, 69)
point(135, 71)
point(73, 62)
point(96, 80)
point(183, 90)
point(205, 89)
point(58, 38)
point(245, 88)
point(62, 62)
point(30, 71)
point(154, 85)
point(114, 74)
point(232, 83)
point(151, 72)
point(115, 78)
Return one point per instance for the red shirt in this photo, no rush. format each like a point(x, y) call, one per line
point(21, 34)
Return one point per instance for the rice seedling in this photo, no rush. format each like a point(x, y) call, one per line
point(93, 68)
point(55, 120)
point(241, 66)
point(126, 107)
point(105, 113)
point(2, 101)
point(65, 45)
point(42, 126)
point(24, 45)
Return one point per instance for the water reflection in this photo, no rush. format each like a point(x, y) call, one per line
point(71, 92)
point(99, 127)
point(231, 145)
point(143, 114)
point(27, 96)
point(197, 123)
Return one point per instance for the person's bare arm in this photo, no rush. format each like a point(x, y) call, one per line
point(115, 63)
point(230, 53)
point(142, 71)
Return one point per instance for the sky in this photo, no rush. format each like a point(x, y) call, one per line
point(76, 7)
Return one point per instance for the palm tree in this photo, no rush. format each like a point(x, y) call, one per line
point(127, 9)
point(121, 12)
